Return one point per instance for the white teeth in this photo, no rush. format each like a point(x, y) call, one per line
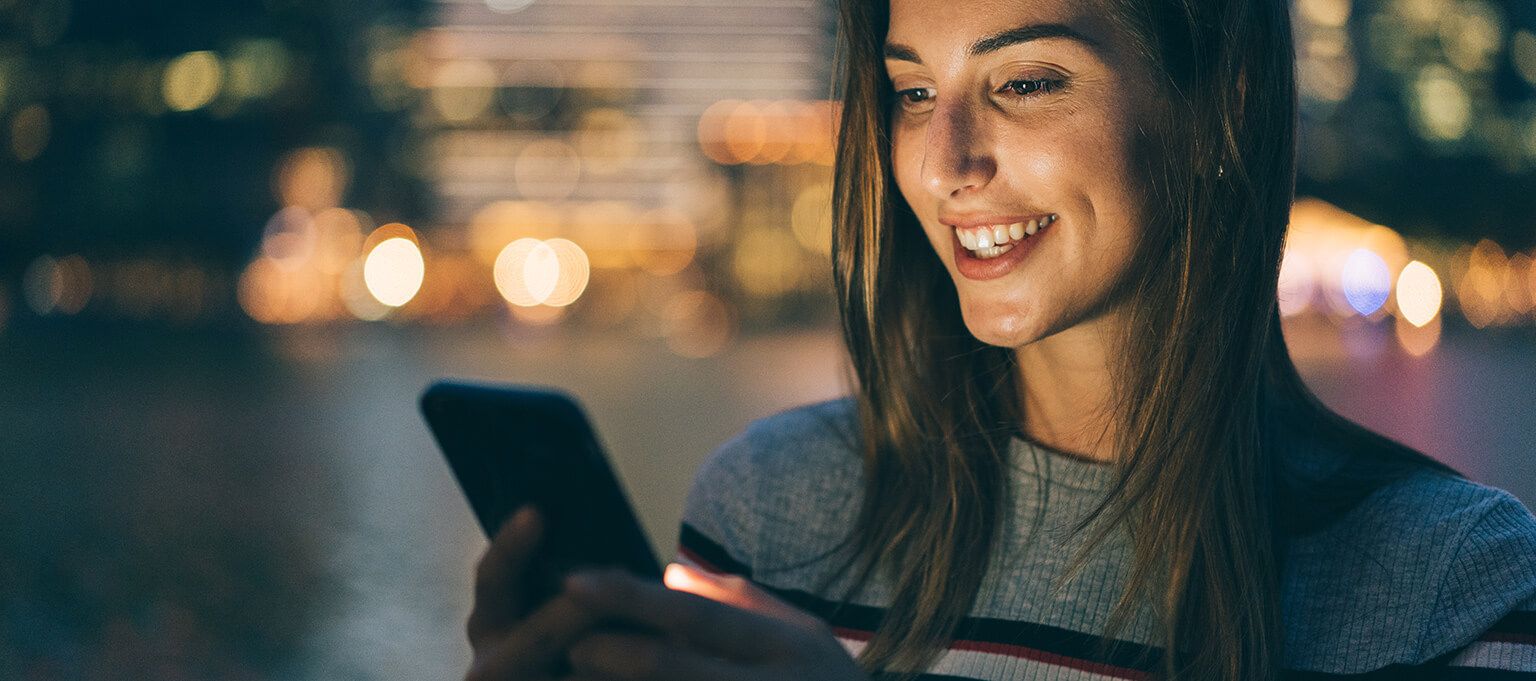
point(993, 252)
point(994, 240)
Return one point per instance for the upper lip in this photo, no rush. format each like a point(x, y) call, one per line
point(982, 220)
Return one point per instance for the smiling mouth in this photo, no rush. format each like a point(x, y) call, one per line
point(990, 241)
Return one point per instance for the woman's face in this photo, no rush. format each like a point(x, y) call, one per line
point(1011, 112)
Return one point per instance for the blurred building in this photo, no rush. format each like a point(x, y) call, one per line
point(666, 142)
point(659, 167)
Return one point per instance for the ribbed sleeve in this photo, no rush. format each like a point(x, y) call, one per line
point(1430, 577)
point(720, 525)
point(1492, 573)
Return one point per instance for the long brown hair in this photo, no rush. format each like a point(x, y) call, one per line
point(1210, 404)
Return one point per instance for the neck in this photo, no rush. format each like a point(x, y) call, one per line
point(1065, 387)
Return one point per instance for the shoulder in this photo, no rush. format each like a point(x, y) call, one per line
point(821, 436)
point(1423, 566)
point(793, 469)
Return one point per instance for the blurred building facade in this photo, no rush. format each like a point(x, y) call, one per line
point(656, 167)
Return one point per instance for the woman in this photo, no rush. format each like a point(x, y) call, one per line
point(1077, 440)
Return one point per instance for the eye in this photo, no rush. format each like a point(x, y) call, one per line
point(913, 97)
point(1031, 86)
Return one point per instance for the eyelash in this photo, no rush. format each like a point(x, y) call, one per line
point(1040, 86)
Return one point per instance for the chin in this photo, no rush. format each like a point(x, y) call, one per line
point(1007, 326)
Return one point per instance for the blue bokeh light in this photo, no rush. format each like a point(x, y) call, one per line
point(1367, 282)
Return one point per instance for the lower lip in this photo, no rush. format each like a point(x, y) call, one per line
point(972, 267)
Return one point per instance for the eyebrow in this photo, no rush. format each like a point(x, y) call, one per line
point(993, 43)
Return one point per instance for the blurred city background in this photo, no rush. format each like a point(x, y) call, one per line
point(237, 240)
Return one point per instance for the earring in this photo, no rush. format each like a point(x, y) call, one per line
point(1220, 171)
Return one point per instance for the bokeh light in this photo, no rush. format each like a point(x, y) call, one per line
point(1366, 281)
point(573, 271)
point(1296, 286)
point(1418, 293)
point(501, 222)
point(257, 68)
point(1327, 68)
point(767, 262)
point(1522, 54)
point(810, 218)
point(192, 80)
point(778, 126)
point(531, 272)
point(1472, 34)
point(75, 275)
point(511, 272)
point(541, 271)
point(290, 237)
point(1516, 297)
point(507, 6)
point(338, 238)
point(30, 132)
point(356, 297)
point(1442, 106)
point(711, 131)
point(272, 294)
point(1326, 13)
point(1417, 340)
point(43, 285)
point(462, 90)
point(761, 131)
point(314, 178)
point(746, 131)
point(534, 87)
point(394, 271)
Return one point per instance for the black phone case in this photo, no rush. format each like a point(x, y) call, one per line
point(514, 445)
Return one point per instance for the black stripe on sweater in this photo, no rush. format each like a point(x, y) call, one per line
point(865, 618)
point(1516, 622)
point(1078, 645)
point(713, 555)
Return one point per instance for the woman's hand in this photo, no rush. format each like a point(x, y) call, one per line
point(734, 632)
point(509, 643)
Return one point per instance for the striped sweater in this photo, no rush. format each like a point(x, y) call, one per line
point(1430, 577)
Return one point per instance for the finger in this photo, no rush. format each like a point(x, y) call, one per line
point(536, 643)
point(631, 657)
point(717, 627)
point(733, 590)
point(499, 576)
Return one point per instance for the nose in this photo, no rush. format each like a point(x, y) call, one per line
point(956, 155)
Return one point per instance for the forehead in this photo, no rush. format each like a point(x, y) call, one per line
point(947, 28)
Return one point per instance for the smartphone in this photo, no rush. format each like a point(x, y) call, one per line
point(514, 445)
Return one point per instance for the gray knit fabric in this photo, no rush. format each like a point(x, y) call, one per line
point(1423, 569)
